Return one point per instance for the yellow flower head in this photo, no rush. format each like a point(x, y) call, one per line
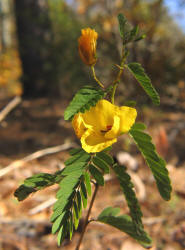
point(99, 127)
point(87, 46)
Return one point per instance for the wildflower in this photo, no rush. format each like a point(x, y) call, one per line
point(87, 46)
point(99, 127)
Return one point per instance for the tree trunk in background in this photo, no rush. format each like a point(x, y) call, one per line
point(5, 25)
point(35, 44)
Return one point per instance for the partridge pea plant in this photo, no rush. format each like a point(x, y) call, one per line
point(97, 122)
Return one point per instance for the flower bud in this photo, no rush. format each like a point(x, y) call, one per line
point(87, 46)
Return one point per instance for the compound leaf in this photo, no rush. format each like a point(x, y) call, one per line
point(154, 161)
point(138, 72)
point(65, 194)
point(33, 184)
point(122, 23)
point(127, 188)
point(84, 99)
point(127, 33)
point(125, 224)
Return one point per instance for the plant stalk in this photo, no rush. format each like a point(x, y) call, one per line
point(95, 78)
point(117, 80)
point(86, 222)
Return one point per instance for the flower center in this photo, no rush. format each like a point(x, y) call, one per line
point(108, 128)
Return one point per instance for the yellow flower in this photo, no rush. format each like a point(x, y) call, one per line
point(87, 46)
point(99, 127)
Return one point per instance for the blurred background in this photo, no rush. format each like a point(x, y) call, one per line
point(40, 70)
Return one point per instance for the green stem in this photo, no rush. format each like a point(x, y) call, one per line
point(86, 222)
point(95, 78)
point(117, 80)
point(113, 92)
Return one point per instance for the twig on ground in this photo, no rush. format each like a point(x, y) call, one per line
point(154, 220)
point(9, 107)
point(42, 206)
point(52, 150)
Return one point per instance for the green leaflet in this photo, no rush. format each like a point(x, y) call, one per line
point(100, 163)
point(105, 157)
point(65, 194)
point(125, 224)
point(57, 224)
point(87, 181)
point(70, 226)
point(76, 166)
point(127, 33)
point(75, 217)
point(76, 210)
point(131, 104)
point(107, 149)
point(127, 187)
point(97, 175)
point(61, 234)
point(79, 203)
point(23, 191)
point(72, 174)
point(67, 209)
point(75, 151)
point(76, 162)
point(138, 72)
point(109, 211)
point(154, 161)
point(33, 184)
point(133, 33)
point(141, 37)
point(80, 156)
point(139, 126)
point(84, 99)
point(83, 192)
point(122, 23)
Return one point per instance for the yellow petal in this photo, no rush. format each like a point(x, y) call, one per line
point(114, 131)
point(93, 142)
point(100, 116)
point(127, 118)
point(78, 125)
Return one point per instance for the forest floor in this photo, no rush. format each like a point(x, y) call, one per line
point(38, 124)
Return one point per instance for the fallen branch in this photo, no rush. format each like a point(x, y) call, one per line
point(154, 220)
point(11, 105)
point(42, 206)
point(52, 150)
